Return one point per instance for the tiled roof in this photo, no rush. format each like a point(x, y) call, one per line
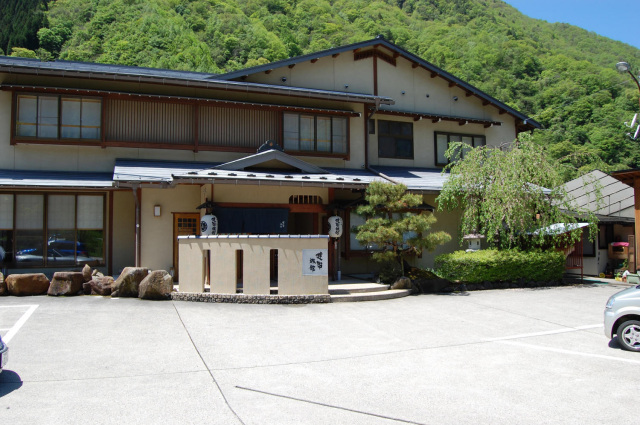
point(149, 171)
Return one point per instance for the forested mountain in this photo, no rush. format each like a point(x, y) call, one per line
point(561, 75)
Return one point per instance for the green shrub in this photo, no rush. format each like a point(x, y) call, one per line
point(499, 266)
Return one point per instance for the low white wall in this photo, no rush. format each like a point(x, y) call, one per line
point(293, 277)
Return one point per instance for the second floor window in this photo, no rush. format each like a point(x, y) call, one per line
point(58, 117)
point(444, 139)
point(315, 133)
point(395, 139)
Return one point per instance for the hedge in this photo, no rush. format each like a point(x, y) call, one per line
point(501, 266)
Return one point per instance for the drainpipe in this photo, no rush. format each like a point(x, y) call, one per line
point(135, 189)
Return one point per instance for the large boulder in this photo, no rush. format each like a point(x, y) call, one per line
point(156, 286)
point(99, 285)
point(86, 272)
point(128, 282)
point(27, 284)
point(3, 286)
point(66, 283)
point(427, 282)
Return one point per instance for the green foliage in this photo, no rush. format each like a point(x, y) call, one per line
point(507, 193)
point(499, 266)
point(392, 227)
point(558, 74)
point(19, 52)
point(19, 23)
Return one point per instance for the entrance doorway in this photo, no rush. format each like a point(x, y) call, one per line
point(184, 224)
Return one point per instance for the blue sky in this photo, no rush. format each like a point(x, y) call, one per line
point(615, 19)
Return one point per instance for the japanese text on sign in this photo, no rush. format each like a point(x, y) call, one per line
point(314, 262)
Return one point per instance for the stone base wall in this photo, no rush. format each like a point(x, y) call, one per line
point(207, 297)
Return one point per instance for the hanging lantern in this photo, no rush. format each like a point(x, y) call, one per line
point(208, 225)
point(335, 226)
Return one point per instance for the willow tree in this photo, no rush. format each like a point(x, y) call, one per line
point(395, 225)
point(511, 194)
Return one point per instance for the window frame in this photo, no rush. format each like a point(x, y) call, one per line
point(45, 229)
point(60, 101)
point(315, 151)
point(395, 138)
point(449, 135)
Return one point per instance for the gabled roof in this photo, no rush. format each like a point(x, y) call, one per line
point(132, 172)
point(616, 200)
point(273, 159)
point(380, 41)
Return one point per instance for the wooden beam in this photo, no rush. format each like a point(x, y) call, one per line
point(314, 60)
point(268, 71)
point(414, 65)
point(335, 55)
point(292, 65)
point(452, 84)
point(294, 208)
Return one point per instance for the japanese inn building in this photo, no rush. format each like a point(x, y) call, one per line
point(108, 165)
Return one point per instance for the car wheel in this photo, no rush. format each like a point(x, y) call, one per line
point(629, 335)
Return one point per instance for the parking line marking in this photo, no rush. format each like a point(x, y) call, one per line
point(563, 351)
point(23, 319)
point(556, 331)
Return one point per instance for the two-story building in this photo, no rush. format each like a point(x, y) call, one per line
point(108, 164)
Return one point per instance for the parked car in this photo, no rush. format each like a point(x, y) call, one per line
point(4, 354)
point(622, 318)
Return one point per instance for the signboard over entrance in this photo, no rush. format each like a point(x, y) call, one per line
point(315, 262)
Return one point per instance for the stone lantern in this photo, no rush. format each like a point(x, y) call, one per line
point(473, 240)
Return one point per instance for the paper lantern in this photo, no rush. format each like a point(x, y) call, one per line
point(335, 226)
point(209, 225)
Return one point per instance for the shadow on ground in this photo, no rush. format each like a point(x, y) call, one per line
point(9, 382)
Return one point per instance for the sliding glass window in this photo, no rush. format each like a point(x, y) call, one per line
point(58, 117)
point(315, 133)
point(50, 230)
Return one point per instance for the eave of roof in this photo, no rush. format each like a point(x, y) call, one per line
point(13, 65)
point(627, 176)
point(526, 121)
point(440, 117)
point(137, 96)
point(54, 179)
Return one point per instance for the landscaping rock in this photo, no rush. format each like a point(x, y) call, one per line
point(430, 286)
point(156, 286)
point(66, 283)
point(128, 283)
point(98, 286)
point(27, 284)
point(86, 273)
point(402, 283)
point(3, 286)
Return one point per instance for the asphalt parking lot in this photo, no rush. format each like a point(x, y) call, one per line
point(519, 356)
